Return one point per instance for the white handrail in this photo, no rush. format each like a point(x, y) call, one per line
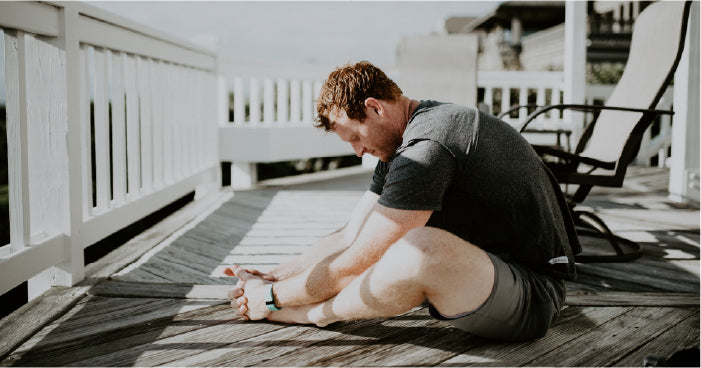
point(96, 101)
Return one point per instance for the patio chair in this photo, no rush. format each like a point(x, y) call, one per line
point(612, 140)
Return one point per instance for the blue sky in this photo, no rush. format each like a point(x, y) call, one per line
point(321, 32)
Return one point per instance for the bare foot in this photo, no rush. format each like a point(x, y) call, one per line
point(304, 314)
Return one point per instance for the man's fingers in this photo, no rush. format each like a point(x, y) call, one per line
point(238, 271)
point(241, 309)
point(241, 273)
point(235, 293)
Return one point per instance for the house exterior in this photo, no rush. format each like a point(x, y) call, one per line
point(529, 35)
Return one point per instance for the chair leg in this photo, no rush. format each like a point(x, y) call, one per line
point(590, 224)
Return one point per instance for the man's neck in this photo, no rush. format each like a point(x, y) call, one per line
point(408, 107)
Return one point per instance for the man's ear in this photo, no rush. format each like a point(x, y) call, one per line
point(375, 105)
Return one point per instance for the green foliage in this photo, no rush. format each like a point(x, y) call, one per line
point(604, 73)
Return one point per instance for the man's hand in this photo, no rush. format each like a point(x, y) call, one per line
point(248, 297)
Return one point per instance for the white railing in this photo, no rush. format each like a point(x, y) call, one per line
point(273, 115)
point(107, 122)
point(505, 89)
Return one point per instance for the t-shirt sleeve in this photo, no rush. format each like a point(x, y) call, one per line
point(378, 178)
point(418, 177)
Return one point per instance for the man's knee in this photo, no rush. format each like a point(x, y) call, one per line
point(426, 247)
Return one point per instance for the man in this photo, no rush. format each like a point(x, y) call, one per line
point(461, 212)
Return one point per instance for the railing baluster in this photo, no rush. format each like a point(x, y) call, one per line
point(540, 101)
point(488, 98)
point(177, 89)
point(505, 101)
point(254, 106)
point(145, 124)
point(317, 90)
point(269, 101)
point(133, 139)
point(189, 104)
point(282, 101)
point(295, 102)
point(101, 124)
point(156, 82)
point(307, 101)
point(119, 153)
point(239, 101)
point(522, 100)
point(169, 111)
point(86, 131)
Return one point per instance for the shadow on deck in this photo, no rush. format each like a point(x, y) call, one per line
point(159, 300)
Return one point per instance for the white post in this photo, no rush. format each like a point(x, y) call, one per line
point(17, 138)
point(575, 60)
point(243, 175)
point(72, 271)
point(684, 172)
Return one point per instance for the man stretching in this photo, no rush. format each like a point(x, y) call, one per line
point(461, 212)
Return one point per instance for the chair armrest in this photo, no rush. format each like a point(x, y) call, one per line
point(515, 108)
point(588, 108)
point(572, 158)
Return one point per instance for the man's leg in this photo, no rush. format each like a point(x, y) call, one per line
point(428, 263)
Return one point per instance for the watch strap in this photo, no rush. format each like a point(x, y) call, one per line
point(270, 299)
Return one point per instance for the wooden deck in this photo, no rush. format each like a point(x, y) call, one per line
point(159, 299)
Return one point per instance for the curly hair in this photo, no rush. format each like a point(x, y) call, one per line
point(347, 87)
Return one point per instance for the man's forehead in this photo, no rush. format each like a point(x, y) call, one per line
point(335, 115)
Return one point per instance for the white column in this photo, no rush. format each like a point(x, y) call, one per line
point(575, 60)
point(684, 171)
point(244, 175)
point(17, 138)
point(72, 271)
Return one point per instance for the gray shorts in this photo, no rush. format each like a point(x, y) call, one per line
point(521, 307)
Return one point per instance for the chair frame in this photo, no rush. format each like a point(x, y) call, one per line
point(566, 172)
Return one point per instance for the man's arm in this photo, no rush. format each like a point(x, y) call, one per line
point(383, 227)
point(330, 244)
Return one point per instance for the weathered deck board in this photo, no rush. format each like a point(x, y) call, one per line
point(615, 339)
point(176, 332)
point(168, 308)
point(573, 322)
point(683, 335)
point(41, 311)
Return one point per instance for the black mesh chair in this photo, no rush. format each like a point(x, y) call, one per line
point(612, 140)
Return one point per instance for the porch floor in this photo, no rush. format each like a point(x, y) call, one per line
point(160, 298)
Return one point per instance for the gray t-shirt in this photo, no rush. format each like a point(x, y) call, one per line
point(484, 183)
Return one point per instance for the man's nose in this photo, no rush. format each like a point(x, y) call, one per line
point(359, 149)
